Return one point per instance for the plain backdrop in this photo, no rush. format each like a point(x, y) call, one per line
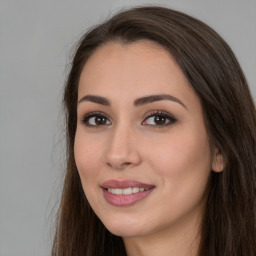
point(36, 41)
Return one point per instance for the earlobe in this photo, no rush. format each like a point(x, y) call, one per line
point(218, 163)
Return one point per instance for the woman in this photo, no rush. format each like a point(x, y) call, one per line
point(161, 142)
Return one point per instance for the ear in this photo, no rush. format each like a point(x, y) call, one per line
point(218, 163)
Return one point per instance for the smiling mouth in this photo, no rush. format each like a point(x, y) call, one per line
point(126, 191)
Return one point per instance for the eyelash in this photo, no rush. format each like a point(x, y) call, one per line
point(156, 113)
point(85, 119)
point(160, 113)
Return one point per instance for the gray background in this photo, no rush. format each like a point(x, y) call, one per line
point(36, 39)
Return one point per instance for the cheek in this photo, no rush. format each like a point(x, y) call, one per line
point(182, 159)
point(87, 156)
point(183, 167)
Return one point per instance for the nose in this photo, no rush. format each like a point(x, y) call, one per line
point(122, 149)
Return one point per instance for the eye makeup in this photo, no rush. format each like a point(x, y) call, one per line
point(95, 119)
point(154, 119)
point(158, 119)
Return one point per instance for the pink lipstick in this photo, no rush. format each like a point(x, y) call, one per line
point(125, 192)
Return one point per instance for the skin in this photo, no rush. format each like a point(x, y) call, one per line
point(176, 158)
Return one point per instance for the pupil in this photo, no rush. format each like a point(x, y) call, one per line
point(160, 120)
point(100, 120)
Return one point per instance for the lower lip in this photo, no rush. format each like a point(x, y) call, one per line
point(125, 200)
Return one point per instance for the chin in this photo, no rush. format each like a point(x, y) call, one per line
point(126, 232)
point(127, 229)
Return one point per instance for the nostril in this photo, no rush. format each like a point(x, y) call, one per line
point(119, 159)
point(126, 164)
point(119, 165)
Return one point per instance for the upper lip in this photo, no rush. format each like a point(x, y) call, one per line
point(125, 184)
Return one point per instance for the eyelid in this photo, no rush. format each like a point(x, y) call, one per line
point(157, 112)
point(85, 117)
point(169, 116)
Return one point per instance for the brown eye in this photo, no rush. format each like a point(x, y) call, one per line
point(159, 119)
point(100, 120)
point(96, 120)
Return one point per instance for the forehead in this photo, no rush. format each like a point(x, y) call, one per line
point(125, 57)
point(133, 70)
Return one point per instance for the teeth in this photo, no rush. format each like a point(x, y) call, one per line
point(125, 191)
point(118, 191)
point(135, 190)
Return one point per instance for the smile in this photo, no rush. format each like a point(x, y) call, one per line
point(126, 191)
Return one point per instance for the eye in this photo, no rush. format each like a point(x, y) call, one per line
point(159, 119)
point(95, 119)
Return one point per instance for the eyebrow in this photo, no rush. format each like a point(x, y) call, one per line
point(153, 98)
point(138, 102)
point(95, 99)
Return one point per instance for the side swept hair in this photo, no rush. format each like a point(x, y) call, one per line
point(229, 223)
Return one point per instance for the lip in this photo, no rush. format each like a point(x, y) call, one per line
point(125, 200)
point(125, 184)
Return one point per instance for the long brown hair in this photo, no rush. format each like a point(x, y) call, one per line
point(229, 223)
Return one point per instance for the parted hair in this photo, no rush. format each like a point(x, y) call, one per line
point(228, 227)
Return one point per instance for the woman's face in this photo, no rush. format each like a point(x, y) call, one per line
point(141, 147)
